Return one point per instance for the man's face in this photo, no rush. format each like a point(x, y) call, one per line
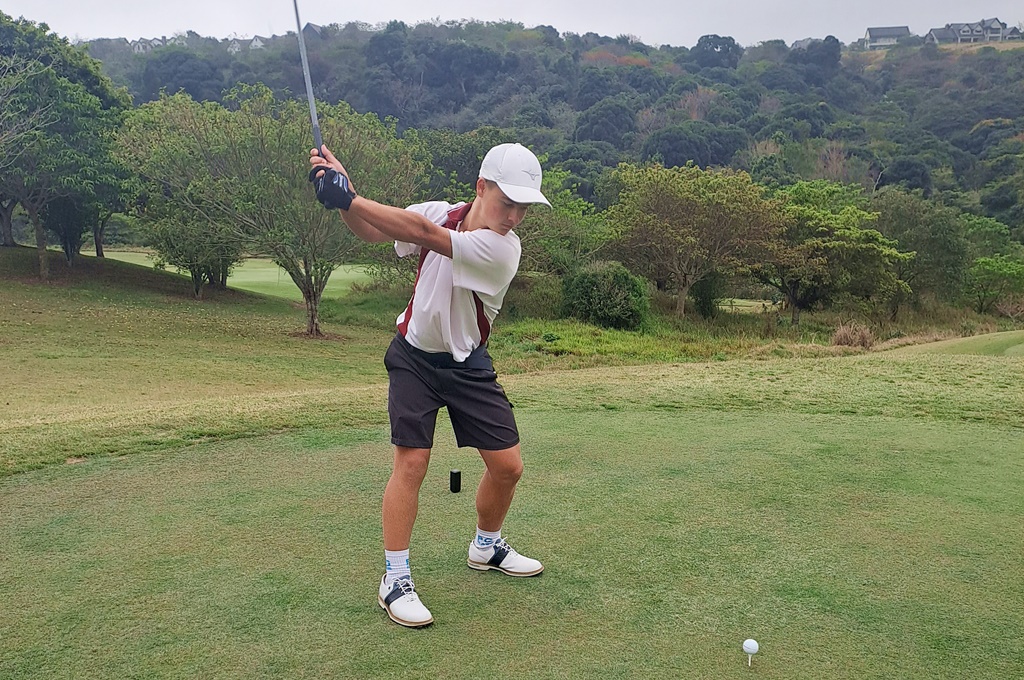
point(500, 214)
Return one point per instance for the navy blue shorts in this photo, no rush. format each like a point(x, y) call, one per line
point(420, 383)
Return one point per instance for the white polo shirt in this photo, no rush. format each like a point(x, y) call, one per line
point(455, 299)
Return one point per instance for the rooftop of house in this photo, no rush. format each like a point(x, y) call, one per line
point(876, 32)
point(805, 43)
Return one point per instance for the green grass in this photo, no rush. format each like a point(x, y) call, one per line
point(189, 489)
point(261, 275)
point(1007, 343)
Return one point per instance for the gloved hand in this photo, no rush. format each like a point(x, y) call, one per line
point(333, 189)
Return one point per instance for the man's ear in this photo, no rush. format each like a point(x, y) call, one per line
point(481, 185)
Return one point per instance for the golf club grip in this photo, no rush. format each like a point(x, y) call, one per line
point(318, 140)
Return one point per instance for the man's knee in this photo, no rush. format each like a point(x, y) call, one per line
point(505, 467)
point(512, 473)
point(411, 464)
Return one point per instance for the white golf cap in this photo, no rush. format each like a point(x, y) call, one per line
point(516, 171)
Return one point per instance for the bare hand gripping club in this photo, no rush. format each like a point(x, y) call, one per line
point(317, 139)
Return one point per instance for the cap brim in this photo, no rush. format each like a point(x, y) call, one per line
point(518, 194)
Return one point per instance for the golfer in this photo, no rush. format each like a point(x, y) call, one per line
point(468, 254)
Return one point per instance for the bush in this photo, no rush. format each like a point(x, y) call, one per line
point(853, 335)
point(608, 295)
point(1012, 308)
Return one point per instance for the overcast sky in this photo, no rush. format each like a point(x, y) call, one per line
point(655, 22)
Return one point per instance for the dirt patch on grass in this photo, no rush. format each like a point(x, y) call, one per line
point(75, 460)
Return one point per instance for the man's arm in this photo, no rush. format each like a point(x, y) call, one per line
point(363, 229)
point(400, 225)
point(376, 222)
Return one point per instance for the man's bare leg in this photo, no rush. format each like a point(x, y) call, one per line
point(396, 594)
point(493, 498)
point(497, 486)
point(402, 496)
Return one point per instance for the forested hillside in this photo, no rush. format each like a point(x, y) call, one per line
point(948, 122)
point(822, 177)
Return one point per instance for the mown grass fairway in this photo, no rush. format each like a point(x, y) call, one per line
point(260, 275)
point(1008, 344)
point(189, 490)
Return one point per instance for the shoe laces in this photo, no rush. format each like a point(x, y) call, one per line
point(405, 584)
point(502, 543)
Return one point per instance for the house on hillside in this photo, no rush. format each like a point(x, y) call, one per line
point(312, 31)
point(884, 37)
point(146, 45)
point(805, 43)
point(258, 42)
point(986, 30)
point(234, 46)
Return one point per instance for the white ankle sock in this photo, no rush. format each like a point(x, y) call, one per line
point(485, 539)
point(396, 564)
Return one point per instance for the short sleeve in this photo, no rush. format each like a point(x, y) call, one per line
point(484, 261)
point(435, 211)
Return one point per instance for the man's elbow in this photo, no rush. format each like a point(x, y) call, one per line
point(433, 237)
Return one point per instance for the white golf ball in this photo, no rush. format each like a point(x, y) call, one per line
point(750, 646)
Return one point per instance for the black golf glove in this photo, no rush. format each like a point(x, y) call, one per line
point(332, 189)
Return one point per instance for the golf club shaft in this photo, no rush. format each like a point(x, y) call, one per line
point(317, 139)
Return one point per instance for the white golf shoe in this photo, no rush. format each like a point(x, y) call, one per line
point(402, 603)
point(502, 557)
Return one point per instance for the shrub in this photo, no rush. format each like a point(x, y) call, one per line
point(853, 335)
point(608, 295)
point(1012, 308)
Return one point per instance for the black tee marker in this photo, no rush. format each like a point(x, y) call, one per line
point(455, 481)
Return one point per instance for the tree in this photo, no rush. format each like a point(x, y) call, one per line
point(819, 61)
point(460, 70)
point(991, 279)
point(1002, 198)
point(68, 218)
point(987, 237)
point(595, 85)
point(244, 166)
point(826, 249)
point(566, 238)
point(63, 159)
point(115, 192)
point(389, 47)
point(911, 173)
point(610, 120)
point(69, 156)
point(454, 158)
point(680, 224)
point(713, 51)
point(700, 142)
point(935, 233)
point(17, 120)
point(186, 240)
point(174, 70)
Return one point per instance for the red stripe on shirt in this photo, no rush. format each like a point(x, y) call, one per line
point(482, 324)
point(455, 218)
